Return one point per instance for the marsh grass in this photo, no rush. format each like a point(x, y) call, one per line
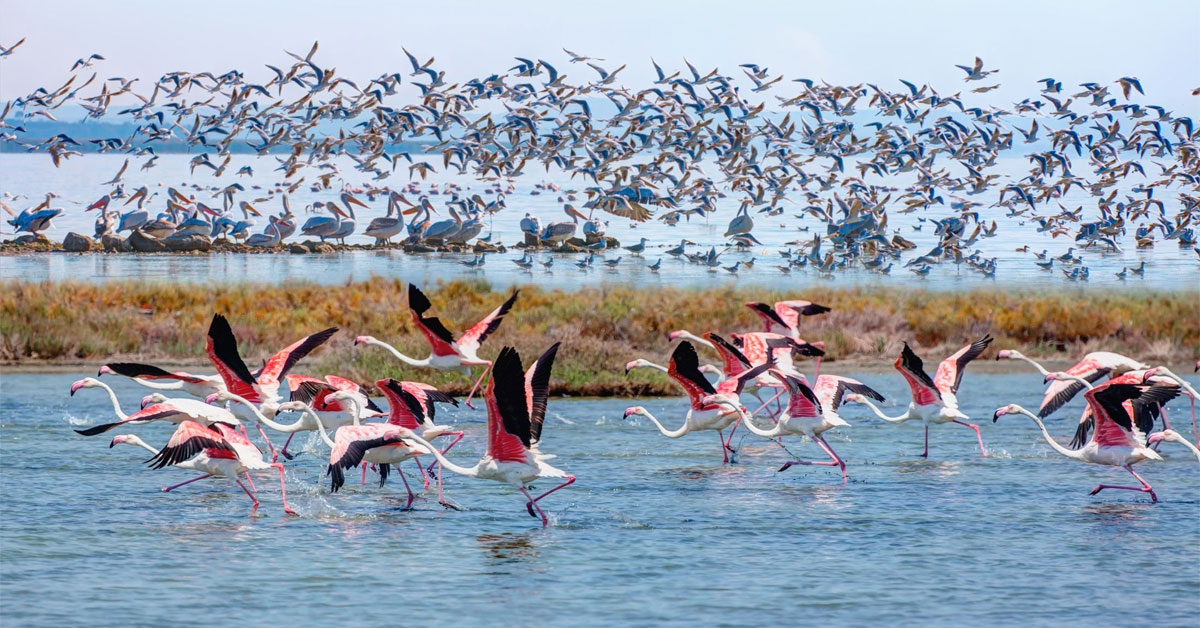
point(602, 328)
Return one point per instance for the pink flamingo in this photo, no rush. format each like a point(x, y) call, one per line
point(784, 318)
point(199, 386)
point(411, 406)
point(684, 368)
point(210, 450)
point(810, 412)
point(934, 401)
point(447, 354)
point(1119, 438)
point(315, 393)
point(171, 410)
point(516, 404)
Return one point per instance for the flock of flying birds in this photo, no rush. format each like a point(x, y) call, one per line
point(802, 155)
point(1117, 427)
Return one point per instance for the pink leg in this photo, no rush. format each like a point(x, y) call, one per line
point(406, 487)
point(364, 474)
point(926, 454)
point(767, 402)
point(529, 506)
point(835, 462)
point(274, 456)
point(168, 489)
point(534, 506)
point(250, 495)
point(1144, 488)
point(287, 510)
point(284, 451)
point(817, 372)
point(424, 476)
point(729, 441)
point(476, 386)
point(251, 482)
point(457, 437)
point(977, 435)
point(724, 452)
point(1195, 433)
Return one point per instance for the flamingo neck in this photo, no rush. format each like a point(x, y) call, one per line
point(442, 460)
point(1041, 369)
point(683, 429)
point(890, 419)
point(141, 443)
point(687, 335)
point(116, 404)
point(260, 417)
point(400, 356)
point(1070, 453)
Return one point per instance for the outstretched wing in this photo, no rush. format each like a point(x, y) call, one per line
point(1062, 391)
point(508, 413)
point(405, 409)
point(475, 336)
point(802, 402)
point(537, 390)
point(147, 371)
point(831, 389)
point(190, 439)
point(439, 338)
point(734, 361)
point(149, 413)
point(684, 368)
point(280, 363)
point(924, 392)
point(221, 347)
point(950, 371)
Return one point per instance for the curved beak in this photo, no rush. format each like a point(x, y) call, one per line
point(76, 386)
point(211, 398)
point(104, 370)
point(146, 401)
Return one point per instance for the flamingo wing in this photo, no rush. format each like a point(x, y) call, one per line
point(770, 317)
point(150, 413)
point(279, 364)
point(950, 371)
point(791, 311)
point(508, 414)
point(351, 443)
point(537, 390)
point(830, 389)
point(802, 402)
point(341, 383)
point(190, 439)
point(1062, 391)
point(147, 371)
point(222, 351)
point(735, 384)
point(474, 337)
point(732, 358)
point(439, 338)
point(1119, 425)
point(684, 368)
point(924, 392)
point(405, 408)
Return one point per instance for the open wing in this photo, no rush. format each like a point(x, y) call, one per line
point(475, 336)
point(950, 371)
point(537, 391)
point(924, 392)
point(830, 389)
point(280, 363)
point(147, 371)
point(439, 338)
point(189, 440)
point(508, 413)
point(684, 368)
point(222, 351)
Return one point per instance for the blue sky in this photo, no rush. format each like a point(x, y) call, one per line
point(843, 42)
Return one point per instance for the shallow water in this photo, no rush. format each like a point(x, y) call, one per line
point(655, 531)
point(1168, 265)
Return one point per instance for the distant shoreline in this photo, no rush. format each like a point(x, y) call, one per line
point(74, 326)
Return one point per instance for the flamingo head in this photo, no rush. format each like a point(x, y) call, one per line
point(1012, 408)
point(213, 398)
point(358, 340)
point(1054, 376)
point(1149, 374)
point(152, 399)
point(1006, 354)
point(120, 439)
point(86, 382)
point(634, 410)
point(104, 370)
point(638, 363)
point(675, 334)
point(853, 398)
point(292, 406)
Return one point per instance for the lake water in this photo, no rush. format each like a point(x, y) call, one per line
point(31, 176)
point(655, 532)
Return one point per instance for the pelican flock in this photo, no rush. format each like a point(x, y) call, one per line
point(832, 166)
point(1125, 421)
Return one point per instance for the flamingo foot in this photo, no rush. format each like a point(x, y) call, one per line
point(449, 505)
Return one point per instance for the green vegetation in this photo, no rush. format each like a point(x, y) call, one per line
point(602, 328)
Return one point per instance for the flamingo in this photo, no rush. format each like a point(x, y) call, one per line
point(411, 406)
point(261, 388)
point(1171, 436)
point(199, 386)
point(784, 317)
point(382, 444)
point(315, 392)
point(1091, 368)
point(516, 405)
point(446, 353)
point(934, 401)
point(701, 415)
point(1119, 438)
point(171, 410)
point(304, 424)
point(718, 374)
point(810, 412)
point(207, 449)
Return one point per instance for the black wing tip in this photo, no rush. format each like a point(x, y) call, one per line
point(97, 429)
point(417, 299)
